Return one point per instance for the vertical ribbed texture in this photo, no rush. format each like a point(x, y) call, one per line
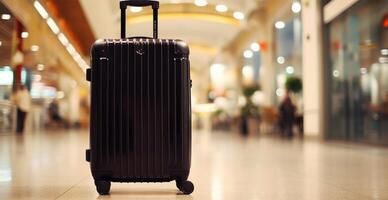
point(174, 111)
point(169, 100)
point(135, 110)
point(140, 113)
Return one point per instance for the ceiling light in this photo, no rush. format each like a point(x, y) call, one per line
point(200, 3)
point(383, 60)
point(53, 26)
point(217, 71)
point(71, 49)
point(77, 57)
point(1, 43)
point(255, 47)
point(247, 71)
point(41, 10)
point(81, 62)
point(363, 70)
point(62, 38)
point(34, 48)
point(24, 35)
point(290, 70)
point(336, 73)
point(280, 25)
point(6, 16)
point(84, 65)
point(238, 15)
point(221, 8)
point(280, 60)
point(296, 7)
point(248, 54)
point(40, 67)
point(279, 92)
point(384, 52)
point(135, 9)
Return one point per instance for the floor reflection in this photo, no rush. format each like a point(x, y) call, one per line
point(51, 165)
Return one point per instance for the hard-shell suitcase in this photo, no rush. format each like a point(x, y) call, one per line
point(140, 122)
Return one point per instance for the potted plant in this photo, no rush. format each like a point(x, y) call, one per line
point(294, 86)
point(249, 111)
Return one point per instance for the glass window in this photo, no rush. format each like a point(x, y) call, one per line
point(288, 50)
point(359, 73)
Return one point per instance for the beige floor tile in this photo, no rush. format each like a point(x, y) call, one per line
point(51, 165)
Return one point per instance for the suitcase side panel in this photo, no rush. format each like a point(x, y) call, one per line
point(141, 115)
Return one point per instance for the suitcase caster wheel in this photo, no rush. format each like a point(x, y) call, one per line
point(102, 187)
point(186, 187)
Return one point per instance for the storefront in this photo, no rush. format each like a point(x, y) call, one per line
point(357, 75)
point(7, 27)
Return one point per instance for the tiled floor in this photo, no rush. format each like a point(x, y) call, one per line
point(51, 165)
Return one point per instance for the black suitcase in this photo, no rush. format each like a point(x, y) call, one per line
point(140, 122)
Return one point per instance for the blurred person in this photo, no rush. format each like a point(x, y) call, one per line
point(244, 125)
point(21, 99)
point(287, 115)
point(384, 104)
point(55, 117)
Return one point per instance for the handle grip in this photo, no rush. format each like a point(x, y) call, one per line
point(139, 3)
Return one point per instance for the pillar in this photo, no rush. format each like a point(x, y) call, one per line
point(312, 68)
point(267, 70)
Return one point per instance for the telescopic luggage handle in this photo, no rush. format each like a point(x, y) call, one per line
point(139, 3)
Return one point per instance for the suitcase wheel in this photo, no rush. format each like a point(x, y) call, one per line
point(186, 187)
point(102, 187)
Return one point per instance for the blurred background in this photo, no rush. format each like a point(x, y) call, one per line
point(331, 56)
point(253, 63)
